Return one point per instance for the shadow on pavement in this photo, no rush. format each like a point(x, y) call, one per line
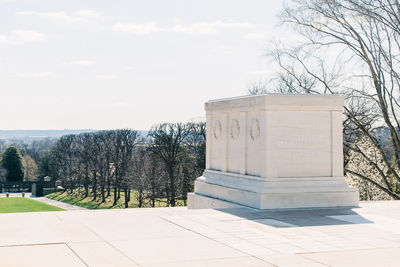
point(300, 217)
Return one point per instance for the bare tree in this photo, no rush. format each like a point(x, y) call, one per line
point(155, 176)
point(64, 161)
point(101, 157)
point(351, 47)
point(193, 161)
point(166, 143)
point(30, 168)
point(125, 141)
point(84, 143)
point(259, 87)
point(139, 175)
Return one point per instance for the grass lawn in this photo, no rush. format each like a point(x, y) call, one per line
point(77, 198)
point(23, 204)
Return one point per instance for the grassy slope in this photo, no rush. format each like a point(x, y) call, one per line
point(77, 198)
point(19, 204)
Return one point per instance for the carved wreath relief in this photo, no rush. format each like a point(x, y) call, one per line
point(254, 129)
point(235, 129)
point(217, 132)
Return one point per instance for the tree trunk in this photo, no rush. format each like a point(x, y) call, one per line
point(140, 192)
point(86, 182)
point(153, 202)
point(103, 197)
point(94, 189)
point(126, 198)
point(108, 190)
point(172, 185)
point(115, 196)
point(168, 196)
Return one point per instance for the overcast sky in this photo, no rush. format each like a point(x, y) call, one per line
point(105, 64)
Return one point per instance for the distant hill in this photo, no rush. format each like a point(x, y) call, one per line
point(38, 134)
point(32, 135)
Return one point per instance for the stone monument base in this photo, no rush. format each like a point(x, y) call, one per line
point(217, 189)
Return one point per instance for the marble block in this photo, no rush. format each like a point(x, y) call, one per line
point(274, 151)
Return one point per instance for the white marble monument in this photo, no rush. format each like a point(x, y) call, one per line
point(274, 151)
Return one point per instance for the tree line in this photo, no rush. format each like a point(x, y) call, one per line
point(159, 166)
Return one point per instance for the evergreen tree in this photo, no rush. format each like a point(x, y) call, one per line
point(11, 161)
point(44, 165)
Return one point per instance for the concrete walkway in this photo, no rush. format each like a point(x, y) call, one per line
point(56, 203)
point(365, 236)
point(15, 194)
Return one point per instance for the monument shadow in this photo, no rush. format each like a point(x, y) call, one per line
point(286, 218)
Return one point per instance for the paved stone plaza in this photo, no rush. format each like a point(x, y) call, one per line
point(366, 236)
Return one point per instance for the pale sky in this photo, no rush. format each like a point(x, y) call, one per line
point(102, 64)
